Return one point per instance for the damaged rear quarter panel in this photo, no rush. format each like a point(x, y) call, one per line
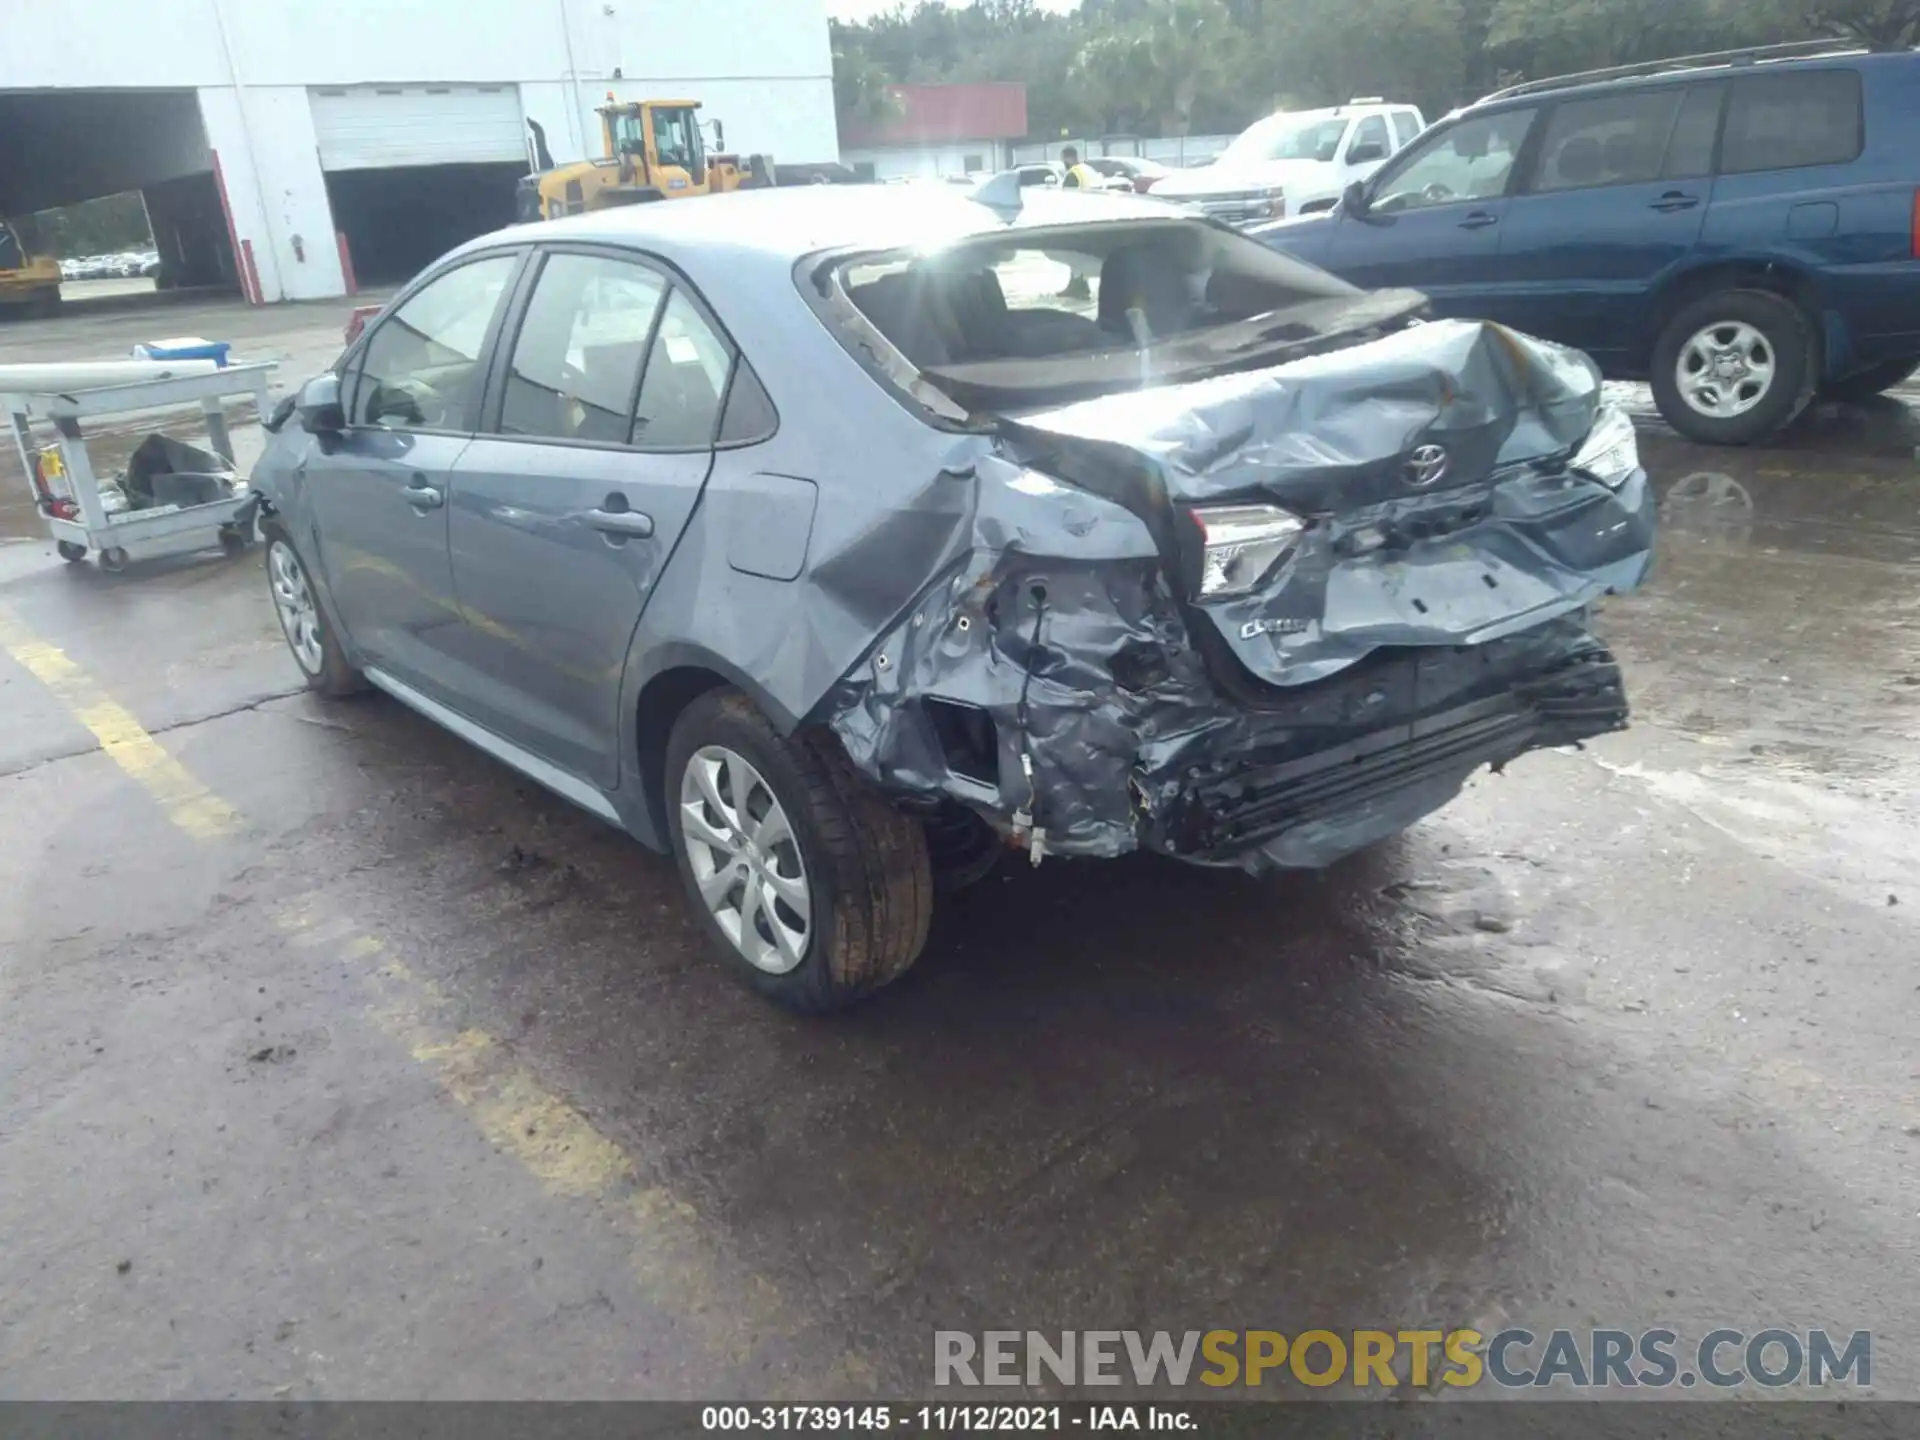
point(1107, 718)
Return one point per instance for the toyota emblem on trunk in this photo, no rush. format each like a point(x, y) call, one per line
point(1426, 464)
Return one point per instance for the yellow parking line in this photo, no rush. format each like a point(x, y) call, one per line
point(187, 803)
point(726, 1307)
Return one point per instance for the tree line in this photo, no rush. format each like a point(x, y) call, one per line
point(1177, 67)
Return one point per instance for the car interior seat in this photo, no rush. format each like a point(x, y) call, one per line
point(1627, 156)
point(908, 315)
point(1581, 161)
point(1139, 277)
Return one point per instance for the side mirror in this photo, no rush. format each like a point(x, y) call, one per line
point(719, 136)
point(319, 406)
point(1353, 200)
point(1366, 152)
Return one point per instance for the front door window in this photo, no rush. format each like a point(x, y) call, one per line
point(1469, 161)
point(676, 139)
point(419, 369)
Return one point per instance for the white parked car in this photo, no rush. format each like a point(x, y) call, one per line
point(1295, 163)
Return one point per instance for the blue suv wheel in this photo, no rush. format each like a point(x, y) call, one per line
point(1734, 367)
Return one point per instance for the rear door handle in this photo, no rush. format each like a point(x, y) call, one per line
point(621, 522)
point(423, 496)
point(1674, 200)
point(1479, 220)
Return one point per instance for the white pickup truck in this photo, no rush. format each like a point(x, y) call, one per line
point(1294, 163)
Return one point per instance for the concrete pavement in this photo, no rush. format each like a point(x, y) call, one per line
point(338, 1061)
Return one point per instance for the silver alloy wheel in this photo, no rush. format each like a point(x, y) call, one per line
point(746, 859)
point(1725, 370)
point(293, 598)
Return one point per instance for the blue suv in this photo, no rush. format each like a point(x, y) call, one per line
point(1740, 229)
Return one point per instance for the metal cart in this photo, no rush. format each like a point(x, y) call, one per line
point(67, 490)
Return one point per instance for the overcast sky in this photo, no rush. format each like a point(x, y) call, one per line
point(864, 9)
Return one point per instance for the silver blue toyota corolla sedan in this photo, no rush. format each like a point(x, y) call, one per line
point(839, 540)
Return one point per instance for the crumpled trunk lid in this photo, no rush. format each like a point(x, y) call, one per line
point(1430, 465)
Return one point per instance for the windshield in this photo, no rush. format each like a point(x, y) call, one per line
point(629, 135)
point(1286, 137)
point(677, 137)
point(1089, 309)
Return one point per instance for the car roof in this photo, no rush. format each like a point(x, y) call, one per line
point(1683, 74)
point(780, 226)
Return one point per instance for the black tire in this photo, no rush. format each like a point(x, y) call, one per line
point(235, 538)
point(962, 848)
point(113, 559)
point(869, 886)
point(333, 676)
point(71, 551)
point(1789, 339)
point(46, 305)
point(1869, 383)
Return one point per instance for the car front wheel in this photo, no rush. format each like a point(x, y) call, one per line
point(1733, 368)
point(815, 889)
point(315, 648)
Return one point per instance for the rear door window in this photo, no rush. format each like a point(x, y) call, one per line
point(1406, 125)
point(1690, 152)
point(1612, 140)
point(577, 357)
point(1798, 117)
point(686, 377)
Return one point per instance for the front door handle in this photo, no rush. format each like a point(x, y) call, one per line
point(1674, 200)
point(1479, 220)
point(423, 496)
point(621, 522)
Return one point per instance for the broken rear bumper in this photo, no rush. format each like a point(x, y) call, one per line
point(1296, 799)
point(1069, 709)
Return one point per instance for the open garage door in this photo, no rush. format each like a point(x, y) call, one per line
point(61, 147)
point(398, 221)
point(413, 170)
point(377, 127)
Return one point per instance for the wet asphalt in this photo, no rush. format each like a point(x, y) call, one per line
point(338, 1061)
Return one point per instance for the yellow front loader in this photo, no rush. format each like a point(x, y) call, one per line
point(652, 150)
point(29, 284)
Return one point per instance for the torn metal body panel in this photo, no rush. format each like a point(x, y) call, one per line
point(1066, 680)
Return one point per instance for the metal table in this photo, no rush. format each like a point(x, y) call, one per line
point(66, 469)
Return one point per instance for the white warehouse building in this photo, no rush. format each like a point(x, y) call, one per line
point(284, 147)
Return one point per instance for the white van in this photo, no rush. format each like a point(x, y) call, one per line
point(1295, 163)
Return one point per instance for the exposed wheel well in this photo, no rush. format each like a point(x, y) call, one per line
point(1777, 279)
point(666, 695)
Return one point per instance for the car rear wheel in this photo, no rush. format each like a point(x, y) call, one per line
point(815, 889)
point(1869, 383)
point(302, 620)
point(1733, 368)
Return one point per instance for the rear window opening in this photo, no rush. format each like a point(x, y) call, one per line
point(1074, 311)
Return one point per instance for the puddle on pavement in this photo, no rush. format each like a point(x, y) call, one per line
point(1782, 621)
